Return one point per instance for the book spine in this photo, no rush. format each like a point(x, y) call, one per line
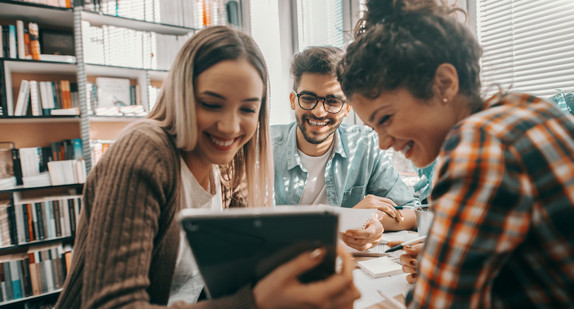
point(17, 166)
point(35, 99)
point(30, 222)
point(20, 39)
point(72, 216)
point(16, 281)
point(55, 204)
point(8, 280)
point(26, 279)
point(34, 41)
point(19, 220)
point(40, 221)
point(2, 41)
point(25, 222)
point(12, 220)
point(49, 221)
point(34, 275)
point(12, 42)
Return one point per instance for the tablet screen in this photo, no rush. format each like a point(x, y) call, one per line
point(233, 250)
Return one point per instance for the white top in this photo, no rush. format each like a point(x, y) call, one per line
point(187, 282)
point(314, 192)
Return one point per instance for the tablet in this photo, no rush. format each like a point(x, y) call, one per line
point(240, 246)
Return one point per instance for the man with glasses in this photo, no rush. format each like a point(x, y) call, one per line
point(319, 160)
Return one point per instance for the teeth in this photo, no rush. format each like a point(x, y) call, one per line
point(407, 147)
point(220, 142)
point(317, 123)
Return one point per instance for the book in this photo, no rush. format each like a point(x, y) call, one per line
point(112, 93)
point(1, 41)
point(72, 111)
point(380, 267)
point(20, 39)
point(21, 107)
point(352, 218)
point(7, 179)
point(34, 40)
point(12, 45)
point(35, 98)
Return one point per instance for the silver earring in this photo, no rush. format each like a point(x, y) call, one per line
point(444, 100)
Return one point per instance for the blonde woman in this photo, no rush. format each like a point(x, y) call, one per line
point(207, 134)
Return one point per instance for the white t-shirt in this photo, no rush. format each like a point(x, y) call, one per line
point(187, 282)
point(315, 191)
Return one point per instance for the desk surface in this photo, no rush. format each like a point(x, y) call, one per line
point(395, 286)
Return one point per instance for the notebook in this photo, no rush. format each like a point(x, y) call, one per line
point(240, 246)
point(379, 267)
point(351, 218)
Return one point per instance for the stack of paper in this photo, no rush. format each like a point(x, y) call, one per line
point(379, 267)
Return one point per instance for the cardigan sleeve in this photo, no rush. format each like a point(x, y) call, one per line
point(126, 200)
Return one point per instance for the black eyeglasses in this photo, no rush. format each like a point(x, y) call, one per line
point(308, 102)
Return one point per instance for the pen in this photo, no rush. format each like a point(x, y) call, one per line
point(410, 242)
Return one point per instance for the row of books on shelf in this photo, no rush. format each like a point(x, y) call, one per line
point(44, 98)
point(39, 270)
point(56, 3)
point(59, 164)
point(114, 97)
point(99, 147)
point(118, 46)
point(38, 219)
point(24, 40)
point(184, 13)
point(20, 41)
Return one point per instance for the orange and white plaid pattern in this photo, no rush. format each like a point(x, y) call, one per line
point(503, 230)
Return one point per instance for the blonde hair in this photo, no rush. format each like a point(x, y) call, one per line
point(248, 178)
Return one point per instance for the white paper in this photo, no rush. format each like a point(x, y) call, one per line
point(369, 287)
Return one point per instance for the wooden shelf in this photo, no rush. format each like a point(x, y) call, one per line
point(119, 71)
point(35, 243)
point(39, 119)
point(39, 66)
point(99, 19)
point(30, 298)
point(23, 188)
point(39, 13)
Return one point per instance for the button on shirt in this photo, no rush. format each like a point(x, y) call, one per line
point(356, 168)
point(502, 234)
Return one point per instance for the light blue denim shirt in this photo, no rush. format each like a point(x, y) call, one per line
point(356, 168)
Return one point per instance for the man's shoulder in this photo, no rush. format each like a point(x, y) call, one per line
point(357, 131)
point(280, 132)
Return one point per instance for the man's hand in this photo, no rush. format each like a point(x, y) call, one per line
point(409, 259)
point(364, 239)
point(384, 206)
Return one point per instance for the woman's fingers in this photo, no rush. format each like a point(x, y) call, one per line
point(300, 264)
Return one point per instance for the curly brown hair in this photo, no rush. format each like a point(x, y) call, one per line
point(401, 43)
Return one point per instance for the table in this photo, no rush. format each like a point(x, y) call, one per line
point(395, 286)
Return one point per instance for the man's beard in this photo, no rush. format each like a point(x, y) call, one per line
point(311, 139)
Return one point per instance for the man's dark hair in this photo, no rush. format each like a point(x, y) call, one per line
point(315, 59)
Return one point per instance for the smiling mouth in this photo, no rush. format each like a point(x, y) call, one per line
point(405, 150)
point(317, 123)
point(223, 143)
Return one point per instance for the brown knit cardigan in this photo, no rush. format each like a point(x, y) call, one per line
point(127, 239)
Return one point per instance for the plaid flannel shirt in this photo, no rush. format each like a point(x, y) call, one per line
point(503, 233)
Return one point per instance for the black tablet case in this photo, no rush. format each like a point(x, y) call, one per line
point(232, 251)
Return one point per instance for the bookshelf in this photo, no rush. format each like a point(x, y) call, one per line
point(151, 31)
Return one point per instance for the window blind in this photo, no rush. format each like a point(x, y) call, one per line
point(320, 23)
point(528, 45)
